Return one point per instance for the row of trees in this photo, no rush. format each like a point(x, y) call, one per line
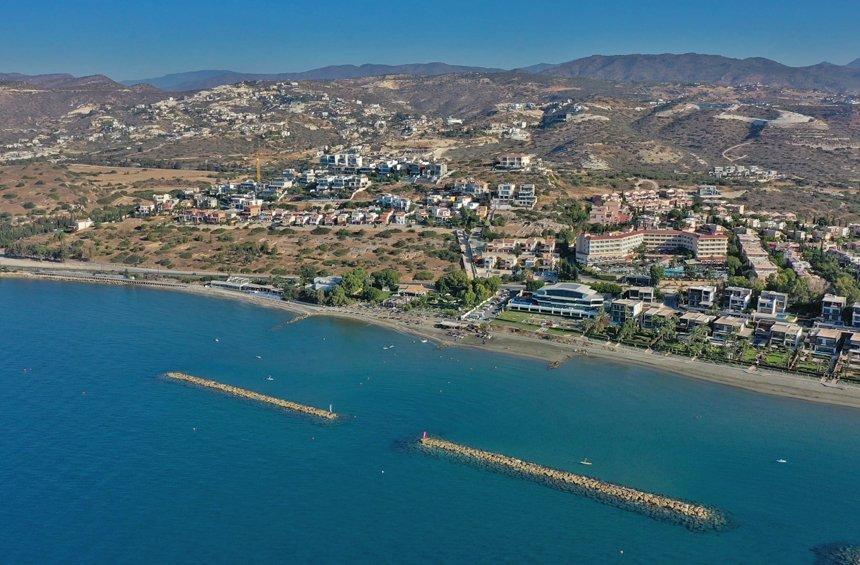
point(46, 252)
point(10, 233)
point(786, 280)
point(843, 281)
point(359, 284)
point(663, 336)
point(356, 284)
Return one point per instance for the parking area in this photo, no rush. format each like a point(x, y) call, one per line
point(488, 311)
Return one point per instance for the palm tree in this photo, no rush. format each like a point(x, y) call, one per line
point(698, 341)
point(628, 329)
point(600, 322)
point(744, 349)
point(667, 330)
point(587, 326)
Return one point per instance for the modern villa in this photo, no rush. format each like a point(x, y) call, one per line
point(562, 299)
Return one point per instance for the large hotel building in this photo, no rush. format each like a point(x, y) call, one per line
point(710, 245)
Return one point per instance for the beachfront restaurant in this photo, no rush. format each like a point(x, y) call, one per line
point(572, 300)
point(242, 284)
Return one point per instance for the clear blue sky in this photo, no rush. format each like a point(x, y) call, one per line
point(145, 38)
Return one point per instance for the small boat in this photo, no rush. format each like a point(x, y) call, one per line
point(385, 348)
point(259, 357)
point(270, 378)
point(585, 462)
point(423, 341)
point(216, 340)
point(781, 461)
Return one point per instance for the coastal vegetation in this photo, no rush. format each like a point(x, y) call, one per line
point(665, 338)
point(467, 292)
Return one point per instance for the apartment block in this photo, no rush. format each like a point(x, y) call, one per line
point(831, 308)
point(737, 298)
point(771, 303)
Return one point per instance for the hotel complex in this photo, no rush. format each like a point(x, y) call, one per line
point(708, 245)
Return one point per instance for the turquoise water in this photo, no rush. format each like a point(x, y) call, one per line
point(101, 460)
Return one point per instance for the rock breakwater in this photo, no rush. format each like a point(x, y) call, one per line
point(693, 516)
point(251, 395)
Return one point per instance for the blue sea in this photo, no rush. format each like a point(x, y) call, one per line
point(104, 461)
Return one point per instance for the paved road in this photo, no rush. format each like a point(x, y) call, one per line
point(466, 252)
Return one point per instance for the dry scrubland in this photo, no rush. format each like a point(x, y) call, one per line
point(161, 243)
point(39, 188)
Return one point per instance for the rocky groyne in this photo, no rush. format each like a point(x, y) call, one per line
point(693, 516)
point(251, 395)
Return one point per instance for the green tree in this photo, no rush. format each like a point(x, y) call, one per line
point(847, 286)
point(355, 281)
point(601, 322)
point(307, 273)
point(587, 326)
point(627, 330)
point(469, 298)
point(337, 297)
point(386, 278)
point(373, 294)
point(698, 341)
point(567, 271)
point(733, 265)
point(607, 288)
point(667, 330)
point(454, 283)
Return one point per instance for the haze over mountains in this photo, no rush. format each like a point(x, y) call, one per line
point(196, 80)
point(684, 68)
point(664, 68)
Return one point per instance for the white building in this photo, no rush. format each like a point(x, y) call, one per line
point(562, 299)
point(831, 308)
point(737, 298)
point(394, 202)
point(514, 161)
point(771, 303)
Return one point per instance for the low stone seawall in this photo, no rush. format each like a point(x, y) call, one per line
point(693, 516)
point(71, 277)
point(251, 395)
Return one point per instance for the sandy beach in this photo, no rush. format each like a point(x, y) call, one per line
point(551, 351)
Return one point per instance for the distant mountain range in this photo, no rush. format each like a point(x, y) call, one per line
point(65, 81)
point(196, 80)
point(711, 69)
point(664, 68)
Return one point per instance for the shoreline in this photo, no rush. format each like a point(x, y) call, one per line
point(553, 352)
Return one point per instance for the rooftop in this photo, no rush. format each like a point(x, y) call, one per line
point(826, 333)
point(785, 328)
